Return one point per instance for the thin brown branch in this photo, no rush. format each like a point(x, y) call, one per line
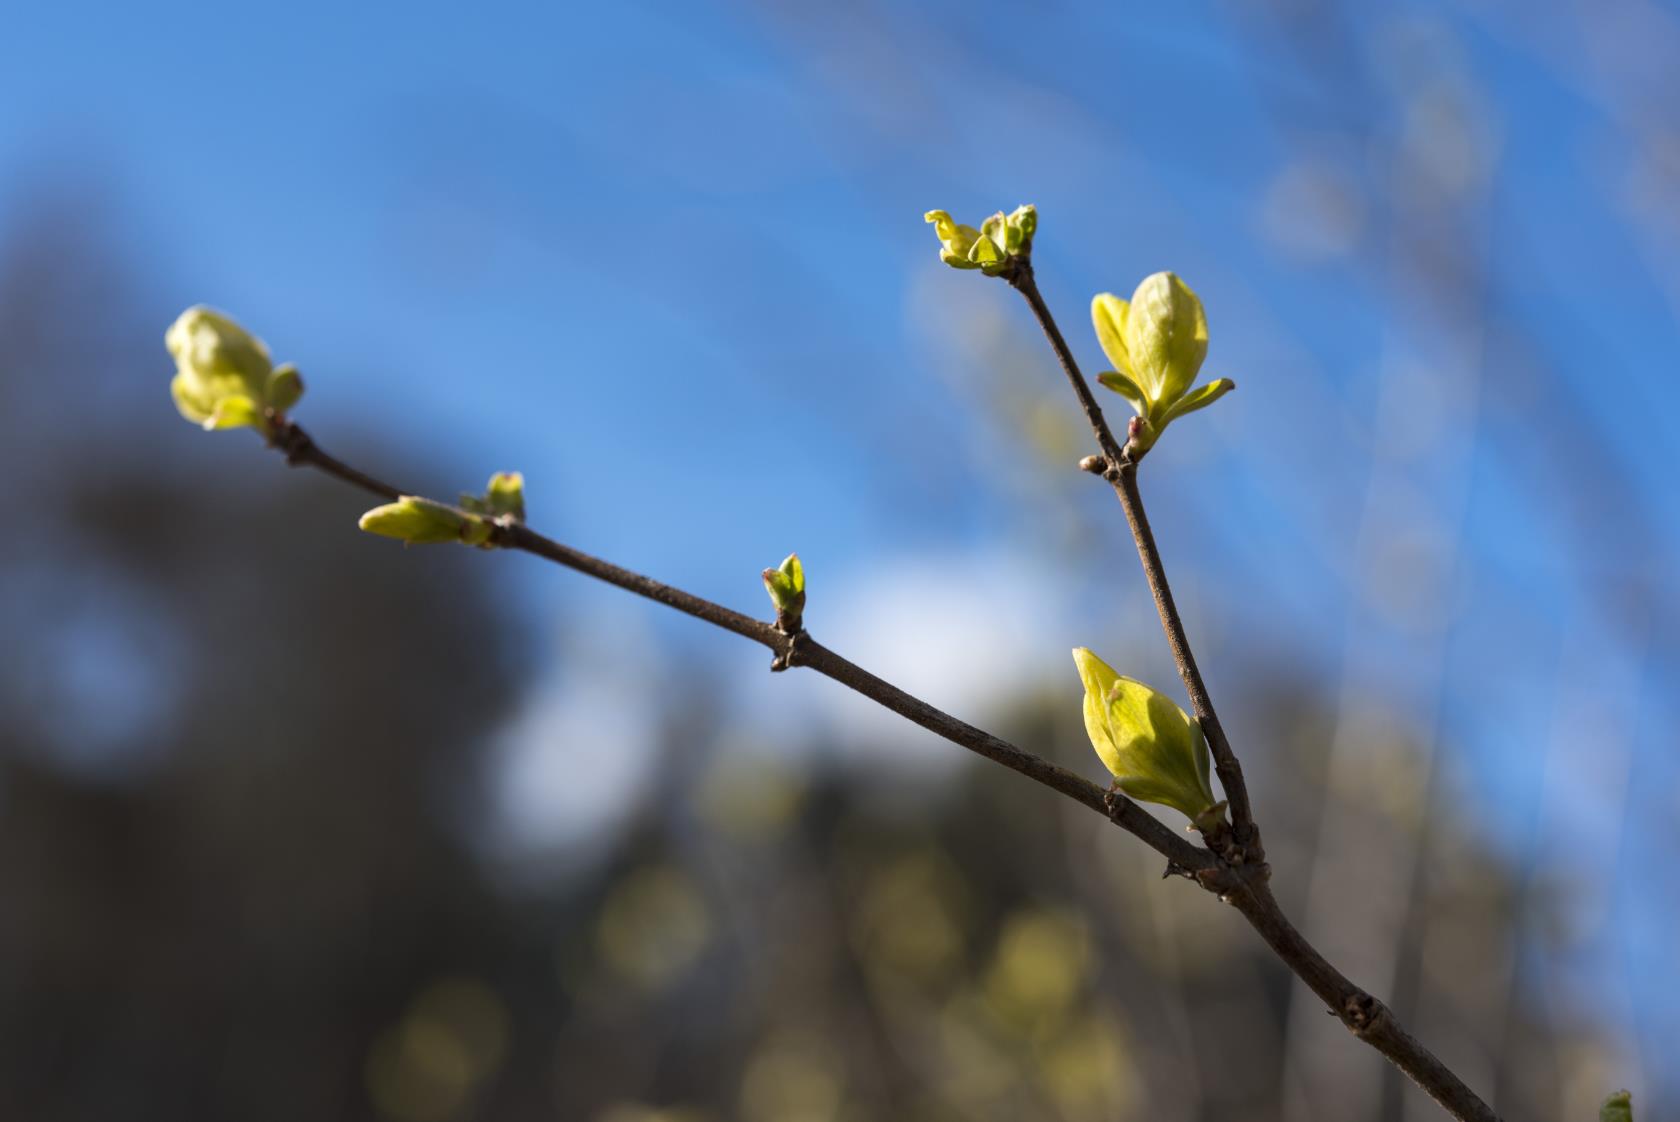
point(300, 448)
point(1020, 277)
point(798, 649)
point(1243, 887)
point(1122, 475)
point(1366, 1017)
point(1180, 853)
point(1241, 876)
point(1224, 760)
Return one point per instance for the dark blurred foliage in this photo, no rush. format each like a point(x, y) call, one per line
point(231, 729)
point(239, 775)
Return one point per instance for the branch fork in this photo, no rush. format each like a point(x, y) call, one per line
point(1233, 863)
point(1230, 864)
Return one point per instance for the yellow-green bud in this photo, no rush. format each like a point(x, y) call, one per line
point(990, 248)
point(417, 521)
point(504, 497)
point(506, 494)
point(786, 586)
point(1156, 752)
point(1617, 1108)
point(285, 387)
point(223, 376)
point(1157, 343)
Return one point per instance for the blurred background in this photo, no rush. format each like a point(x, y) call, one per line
point(295, 824)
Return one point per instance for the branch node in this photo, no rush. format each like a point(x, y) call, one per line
point(793, 653)
point(290, 440)
point(1115, 804)
point(1363, 1014)
point(1018, 273)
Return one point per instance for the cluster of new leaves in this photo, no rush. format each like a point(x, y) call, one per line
point(223, 376)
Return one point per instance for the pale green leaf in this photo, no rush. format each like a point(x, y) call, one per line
point(794, 570)
point(189, 400)
point(1126, 388)
point(1108, 316)
point(1166, 338)
point(1199, 398)
point(985, 252)
point(234, 412)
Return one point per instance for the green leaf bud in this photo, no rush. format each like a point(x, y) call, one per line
point(223, 376)
point(990, 249)
point(285, 387)
point(506, 495)
point(1153, 748)
point(1140, 437)
point(1166, 337)
point(1023, 224)
point(1157, 342)
point(1617, 1108)
point(216, 360)
point(417, 521)
point(786, 586)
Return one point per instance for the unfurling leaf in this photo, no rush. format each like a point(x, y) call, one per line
point(1153, 748)
point(504, 497)
point(1199, 398)
point(417, 521)
point(786, 586)
point(990, 248)
point(1126, 388)
point(1156, 342)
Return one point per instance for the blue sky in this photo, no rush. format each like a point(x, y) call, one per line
point(669, 261)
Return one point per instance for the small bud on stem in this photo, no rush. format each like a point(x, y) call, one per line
point(786, 586)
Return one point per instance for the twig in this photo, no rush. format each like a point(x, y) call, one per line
point(1020, 277)
point(1121, 473)
point(1224, 760)
point(1366, 1017)
point(1242, 875)
point(797, 649)
point(1244, 887)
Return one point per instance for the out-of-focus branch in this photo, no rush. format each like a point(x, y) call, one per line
point(797, 648)
point(1241, 876)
